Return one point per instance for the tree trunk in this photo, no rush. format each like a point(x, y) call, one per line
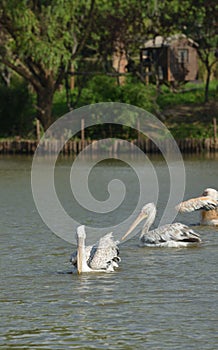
point(206, 92)
point(44, 106)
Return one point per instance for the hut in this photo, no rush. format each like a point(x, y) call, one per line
point(172, 59)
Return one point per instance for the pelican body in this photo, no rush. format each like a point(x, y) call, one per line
point(169, 235)
point(101, 257)
point(207, 203)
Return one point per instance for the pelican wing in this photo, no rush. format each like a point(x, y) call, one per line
point(204, 202)
point(104, 253)
point(176, 232)
point(101, 255)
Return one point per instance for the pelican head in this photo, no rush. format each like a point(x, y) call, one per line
point(211, 192)
point(81, 233)
point(148, 211)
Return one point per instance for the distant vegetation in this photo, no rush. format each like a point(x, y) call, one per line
point(58, 55)
point(17, 105)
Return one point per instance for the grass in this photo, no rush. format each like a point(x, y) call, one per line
point(190, 94)
point(186, 114)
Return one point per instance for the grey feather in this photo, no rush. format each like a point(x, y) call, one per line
point(102, 255)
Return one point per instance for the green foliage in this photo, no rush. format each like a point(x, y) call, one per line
point(100, 89)
point(190, 94)
point(42, 30)
point(59, 107)
point(191, 130)
point(40, 39)
point(105, 89)
point(119, 23)
point(140, 95)
point(16, 116)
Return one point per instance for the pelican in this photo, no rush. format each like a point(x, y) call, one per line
point(169, 235)
point(207, 203)
point(101, 257)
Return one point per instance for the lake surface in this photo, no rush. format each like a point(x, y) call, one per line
point(158, 299)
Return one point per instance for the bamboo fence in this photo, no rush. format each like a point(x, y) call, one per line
point(74, 147)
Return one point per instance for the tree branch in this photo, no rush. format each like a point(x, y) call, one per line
point(23, 71)
point(88, 27)
point(36, 70)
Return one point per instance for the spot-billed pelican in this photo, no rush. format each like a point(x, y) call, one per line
point(101, 257)
point(207, 203)
point(169, 235)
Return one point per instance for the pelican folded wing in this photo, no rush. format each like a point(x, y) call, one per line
point(105, 256)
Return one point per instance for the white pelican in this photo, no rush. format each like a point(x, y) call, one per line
point(101, 257)
point(207, 202)
point(169, 235)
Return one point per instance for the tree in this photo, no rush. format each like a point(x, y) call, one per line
point(118, 26)
point(198, 20)
point(39, 40)
point(201, 26)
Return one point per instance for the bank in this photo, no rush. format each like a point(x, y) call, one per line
point(193, 126)
point(111, 147)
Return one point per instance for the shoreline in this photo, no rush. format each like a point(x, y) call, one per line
point(114, 146)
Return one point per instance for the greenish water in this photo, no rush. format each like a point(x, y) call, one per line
point(158, 299)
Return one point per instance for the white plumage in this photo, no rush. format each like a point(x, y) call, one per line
point(207, 203)
point(170, 235)
point(101, 257)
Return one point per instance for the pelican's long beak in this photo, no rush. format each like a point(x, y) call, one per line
point(79, 259)
point(137, 221)
point(81, 236)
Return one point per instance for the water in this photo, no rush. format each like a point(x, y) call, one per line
point(158, 299)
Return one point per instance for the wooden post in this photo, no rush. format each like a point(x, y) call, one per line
point(214, 131)
point(83, 132)
point(146, 75)
point(72, 77)
point(37, 130)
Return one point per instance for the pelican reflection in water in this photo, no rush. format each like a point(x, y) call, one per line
point(207, 203)
point(101, 257)
point(169, 235)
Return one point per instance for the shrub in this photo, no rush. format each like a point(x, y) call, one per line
point(16, 117)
